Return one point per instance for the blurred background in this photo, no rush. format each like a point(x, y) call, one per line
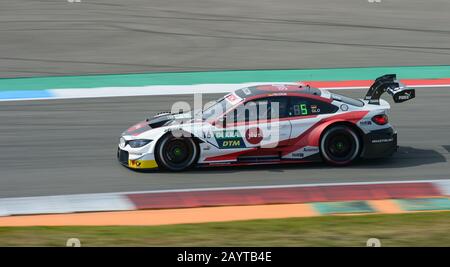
point(56, 37)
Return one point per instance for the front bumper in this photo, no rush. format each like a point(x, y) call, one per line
point(144, 162)
point(379, 143)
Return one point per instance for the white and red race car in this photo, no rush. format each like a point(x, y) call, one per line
point(268, 124)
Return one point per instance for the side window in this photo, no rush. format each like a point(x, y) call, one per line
point(261, 109)
point(245, 112)
point(302, 106)
point(275, 107)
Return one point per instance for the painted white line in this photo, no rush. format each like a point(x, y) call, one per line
point(276, 186)
point(76, 93)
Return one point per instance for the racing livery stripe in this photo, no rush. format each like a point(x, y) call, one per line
point(311, 137)
point(308, 138)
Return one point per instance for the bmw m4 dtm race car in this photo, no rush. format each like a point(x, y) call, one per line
point(268, 124)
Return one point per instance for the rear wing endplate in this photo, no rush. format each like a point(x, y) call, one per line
point(400, 93)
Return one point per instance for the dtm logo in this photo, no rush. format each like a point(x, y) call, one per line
point(229, 139)
point(231, 143)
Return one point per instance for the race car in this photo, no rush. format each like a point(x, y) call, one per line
point(268, 124)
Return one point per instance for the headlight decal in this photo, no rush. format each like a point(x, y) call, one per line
point(138, 142)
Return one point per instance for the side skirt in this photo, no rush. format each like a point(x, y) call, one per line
point(263, 161)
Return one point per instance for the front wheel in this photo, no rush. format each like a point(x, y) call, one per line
point(176, 153)
point(340, 145)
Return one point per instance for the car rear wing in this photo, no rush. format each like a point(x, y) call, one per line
point(400, 93)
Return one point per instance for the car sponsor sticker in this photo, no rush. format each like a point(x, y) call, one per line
point(365, 122)
point(298, 155)
point(385, 140)
point(254, 135)
point(233, 99)
point(315, 109)
point(229, 139)
point(311, 149)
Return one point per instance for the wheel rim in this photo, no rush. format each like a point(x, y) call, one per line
point(177, 153)
point(341, 146)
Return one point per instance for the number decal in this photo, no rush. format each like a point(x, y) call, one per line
point(300, 110)
point(303, 109)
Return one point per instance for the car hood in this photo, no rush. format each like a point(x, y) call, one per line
point(157, 121)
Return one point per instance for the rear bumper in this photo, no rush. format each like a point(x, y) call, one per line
point(379, 143)
point(145, 162)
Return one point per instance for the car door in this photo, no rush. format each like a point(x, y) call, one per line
point(262, 122)
point(304, 113)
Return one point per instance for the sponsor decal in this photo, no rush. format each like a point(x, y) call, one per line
point(142, 164)
point(315, 109)
point(386, 140)
point(231, 143)
point(365, 122)
point(254, 135)
point(229, 139)
point(227, 134)
point(298, 155)
point(277, 94)
point(280, 87)
point(304, 152)
point(406, 96)
point(311, 149)
point(233, 99)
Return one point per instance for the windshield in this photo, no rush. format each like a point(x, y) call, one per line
point(215, 110)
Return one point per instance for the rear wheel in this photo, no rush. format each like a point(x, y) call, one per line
point(340, 145)
point(176, 153)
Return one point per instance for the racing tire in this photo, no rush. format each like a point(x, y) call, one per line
point(340, 145)
point(176, 153)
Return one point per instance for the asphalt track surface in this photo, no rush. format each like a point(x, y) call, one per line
point(55, 37)
point(69, 146)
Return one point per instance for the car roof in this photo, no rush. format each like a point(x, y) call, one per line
point(265, 89)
